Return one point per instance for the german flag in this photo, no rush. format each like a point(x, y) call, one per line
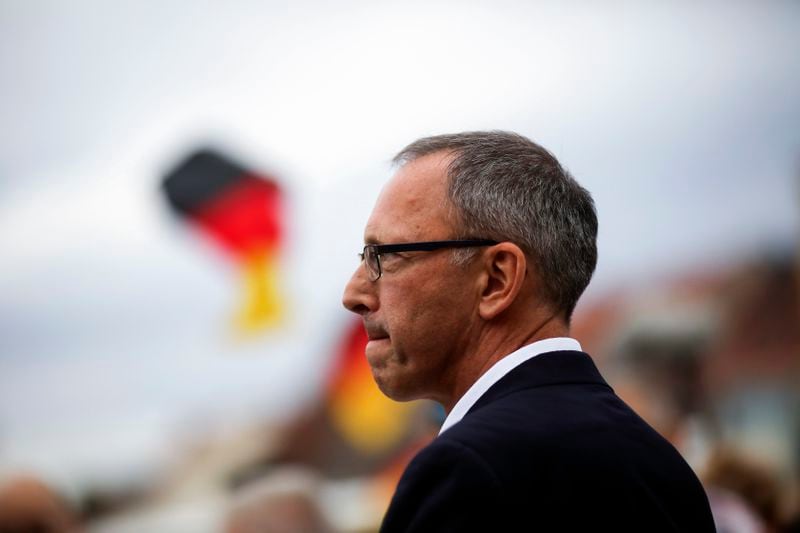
point(242, 211)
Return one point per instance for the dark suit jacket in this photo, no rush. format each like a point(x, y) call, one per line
point(549, 447)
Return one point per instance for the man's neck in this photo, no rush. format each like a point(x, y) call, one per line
point(495, 344)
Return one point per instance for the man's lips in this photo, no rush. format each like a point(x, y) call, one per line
point(375, 333)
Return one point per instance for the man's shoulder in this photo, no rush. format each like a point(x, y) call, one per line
point(567, 411)
point(543, 417)
point(550, 395)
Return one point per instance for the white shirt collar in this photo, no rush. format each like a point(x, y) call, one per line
point(500, 369)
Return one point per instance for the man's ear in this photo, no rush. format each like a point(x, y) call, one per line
point(505, 266)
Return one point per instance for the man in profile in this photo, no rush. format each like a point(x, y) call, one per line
point(476, 253)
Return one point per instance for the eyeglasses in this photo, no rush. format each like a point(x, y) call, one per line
point(372, 252)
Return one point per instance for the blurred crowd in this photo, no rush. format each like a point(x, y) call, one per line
point(710, 358)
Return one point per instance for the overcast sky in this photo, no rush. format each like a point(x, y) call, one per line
point(680, 118)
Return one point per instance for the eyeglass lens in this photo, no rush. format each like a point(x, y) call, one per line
point(371, 260)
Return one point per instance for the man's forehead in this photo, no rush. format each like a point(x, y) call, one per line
point(412, 200)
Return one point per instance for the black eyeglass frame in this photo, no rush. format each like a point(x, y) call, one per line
point(425, 246)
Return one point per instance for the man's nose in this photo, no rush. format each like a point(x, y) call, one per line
point(359, 293)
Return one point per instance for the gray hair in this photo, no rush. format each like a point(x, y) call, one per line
point(505, 187)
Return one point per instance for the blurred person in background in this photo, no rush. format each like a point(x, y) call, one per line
point(739, 485)
point(476, 253)
point(28, 506)
point(286, 502)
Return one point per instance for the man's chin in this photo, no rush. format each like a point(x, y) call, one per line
point(394, 394)
point(391, 387)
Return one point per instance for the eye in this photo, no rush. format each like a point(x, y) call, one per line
point(390, 258)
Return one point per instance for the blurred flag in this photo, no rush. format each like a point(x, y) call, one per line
point(242, 211)
point(370, 421)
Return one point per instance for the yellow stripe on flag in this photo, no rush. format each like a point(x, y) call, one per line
point(262, 305)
